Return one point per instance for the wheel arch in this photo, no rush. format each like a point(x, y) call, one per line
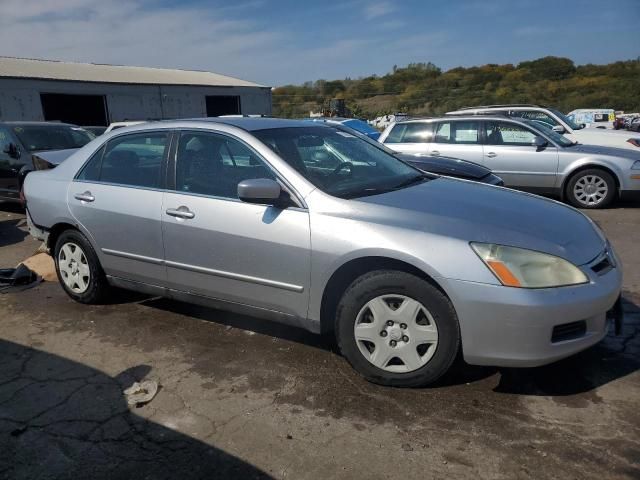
point(346, 273)
point(56, 231)
point(588, 166)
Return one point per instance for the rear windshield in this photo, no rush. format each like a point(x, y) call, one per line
point(51, 137)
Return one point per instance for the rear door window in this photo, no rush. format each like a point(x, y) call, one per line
point(415, 132)
point(464, 133)
point(132, 160)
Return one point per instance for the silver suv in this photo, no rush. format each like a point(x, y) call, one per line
point(526, 154)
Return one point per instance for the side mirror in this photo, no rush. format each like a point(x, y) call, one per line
point(260, 190)
point(558, 128)
point(539, 142)
point(12, 150)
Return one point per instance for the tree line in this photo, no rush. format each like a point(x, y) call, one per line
point(424, 89)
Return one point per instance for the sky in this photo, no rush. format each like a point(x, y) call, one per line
point(277, 42)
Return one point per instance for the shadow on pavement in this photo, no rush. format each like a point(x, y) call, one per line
point(63, 419)
point(10, 232)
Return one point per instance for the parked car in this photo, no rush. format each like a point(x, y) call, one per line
point(96, 130)
point(560, 123)
point(526, 155)
point(404, 267)
point(619, 123)
point(634, 125)
point(27, 146)
point(452, 167)
point(353, 123)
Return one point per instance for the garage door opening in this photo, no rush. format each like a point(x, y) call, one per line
point(85, 110)
point(222, 105)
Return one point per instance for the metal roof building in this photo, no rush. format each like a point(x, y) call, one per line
point(95, 94)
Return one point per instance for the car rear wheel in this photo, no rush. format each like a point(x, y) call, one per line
point(397, 329)
point(592, 188)
point(78, 268)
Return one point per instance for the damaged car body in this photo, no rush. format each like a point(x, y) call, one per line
point(312, 226)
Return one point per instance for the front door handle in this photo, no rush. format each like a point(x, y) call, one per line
point(435, 153)
point(492, 154)
point(180, 212)
point(84, 197)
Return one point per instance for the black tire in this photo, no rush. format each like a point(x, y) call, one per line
point(598, 173)
point(391, 282)
point(98, 289)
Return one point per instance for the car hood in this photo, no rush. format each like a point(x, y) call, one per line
point(447, 166)
point(601, 150)
point(53, 157)
point(472, 211)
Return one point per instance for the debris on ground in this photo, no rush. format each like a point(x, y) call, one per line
point(18, 279)
point(43, 265)
point(141, 392)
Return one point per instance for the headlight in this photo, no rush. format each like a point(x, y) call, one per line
point(636, 165)
point(517, 267)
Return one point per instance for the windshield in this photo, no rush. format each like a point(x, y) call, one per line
point(52, 137)
point(360, 126)
point(338, 162)
point(547, 131)
point(565, 119)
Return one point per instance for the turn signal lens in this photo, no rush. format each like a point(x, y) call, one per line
point(519, 267)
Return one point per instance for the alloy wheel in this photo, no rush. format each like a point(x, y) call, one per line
point(590, 190)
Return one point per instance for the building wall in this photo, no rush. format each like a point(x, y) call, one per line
point(20, 99)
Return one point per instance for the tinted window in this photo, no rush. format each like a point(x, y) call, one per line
point(211, 164)
point(134, 160)
point(535, 115)
point(457, 132)
point(415, 132)
point(502, 133)
point(91, 169)
point(5, 141)
point(51, 137)
point(339, 163)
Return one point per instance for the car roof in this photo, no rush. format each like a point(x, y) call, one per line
point(459, 118)
point(254, 123)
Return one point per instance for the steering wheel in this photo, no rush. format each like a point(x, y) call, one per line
point(341, 167)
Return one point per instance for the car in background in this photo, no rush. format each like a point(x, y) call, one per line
point(634, 125)
point(452, 167)
point(407, 270)
point(117, 125)
point(559, 122)
point(97, 130)
point(353, 123)
point(526, 155)
point(28, 146)
point(593, 117)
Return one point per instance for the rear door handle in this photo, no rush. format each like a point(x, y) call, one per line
point(435, 153)
point(84, 197)
point(492, 154)
point(180, 212)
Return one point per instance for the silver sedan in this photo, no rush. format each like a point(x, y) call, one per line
point(526, 154)
point(319, 228)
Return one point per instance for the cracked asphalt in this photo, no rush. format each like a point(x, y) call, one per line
point(245, 398)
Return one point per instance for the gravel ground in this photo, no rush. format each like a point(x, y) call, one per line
point(245, 398)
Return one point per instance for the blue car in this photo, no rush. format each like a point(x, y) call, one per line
point(354, 123)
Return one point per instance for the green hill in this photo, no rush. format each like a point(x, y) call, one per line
point(424, 89)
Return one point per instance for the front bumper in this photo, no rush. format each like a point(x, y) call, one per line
point(513, 327)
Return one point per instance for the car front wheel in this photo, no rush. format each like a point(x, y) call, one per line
point(397, 329)
point(592, 188)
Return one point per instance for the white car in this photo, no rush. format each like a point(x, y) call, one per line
point(560, 123)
